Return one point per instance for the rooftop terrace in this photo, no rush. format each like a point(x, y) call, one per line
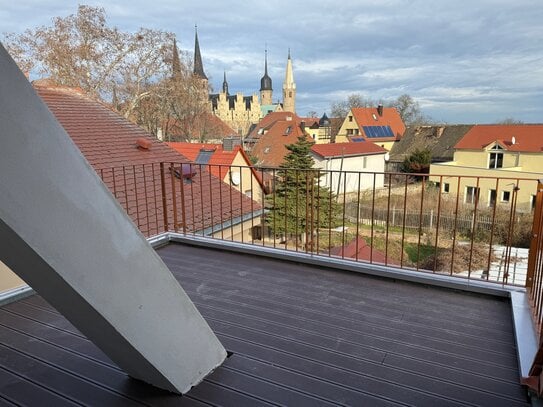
point(299, 335)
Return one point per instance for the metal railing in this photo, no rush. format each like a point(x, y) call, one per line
point(463, 226)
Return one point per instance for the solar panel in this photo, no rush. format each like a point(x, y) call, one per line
point(204, 156)
point(378, 131)
point(389, 132)
point(357, 139)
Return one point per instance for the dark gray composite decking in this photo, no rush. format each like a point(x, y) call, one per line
point(299, 335)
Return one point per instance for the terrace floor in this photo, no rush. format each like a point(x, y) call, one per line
point(299, 335)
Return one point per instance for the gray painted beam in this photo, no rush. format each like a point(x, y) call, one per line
point(65, 234)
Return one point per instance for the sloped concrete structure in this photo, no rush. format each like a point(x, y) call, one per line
point(67, 237)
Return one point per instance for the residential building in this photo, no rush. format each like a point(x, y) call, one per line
point(439, 140)
point(505, 151)
point(381, 125)
point(227, 161)
point(320, 130)
point(343, 162)
point(267, 140)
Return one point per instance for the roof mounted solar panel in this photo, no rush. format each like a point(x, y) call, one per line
point(204, 156)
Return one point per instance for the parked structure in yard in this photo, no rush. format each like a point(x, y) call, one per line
point(504, 151)
point(380, 125)
point(344, 165)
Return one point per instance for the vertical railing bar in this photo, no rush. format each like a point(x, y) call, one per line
point(221, 209)
point(174, 197)
point(263, 211)
point(404, 218)
point(164, 202)
point(312, 213)
point(145, 191)
point(136, 196)
point(211, 197)
point(492, 231)
point(231, 214)
point(285, 184)
point(319, 209)
point(192, 198)
point(420, 220)
point(330, 217)
point(388, 217)
point(252, 205)
point(155, 200)
point(511, 232)
point(297, 204)
point(202, 214)
point(125, 190)
point(438, 219)
point(182, 190)
point(358, 216)
point(474, 225)
point(345, 173)
point(372, 218)
point(455, 223)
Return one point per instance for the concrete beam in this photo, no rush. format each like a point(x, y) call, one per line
point(65, 234)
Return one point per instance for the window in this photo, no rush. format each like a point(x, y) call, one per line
point(364, 162)
point(355, 132)
point(446, 187)
point(496, 157)
point(472, 195)
point(350, 132)
point(506, 195)
point(249, 193)
point(492, 198)
point(350, 118)
point(532, 202)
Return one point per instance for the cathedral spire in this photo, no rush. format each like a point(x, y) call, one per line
point(198, 65)
point(225, 85)
point(266, 83)
point(176, 63)
point(289, 88)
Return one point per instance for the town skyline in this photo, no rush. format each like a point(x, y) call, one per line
point(464, 63)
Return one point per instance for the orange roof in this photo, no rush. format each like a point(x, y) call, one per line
point(359, 249)
point(270, 149)
point(369, 116)
point(133, 174)
point(528, 137)
point(347, 149)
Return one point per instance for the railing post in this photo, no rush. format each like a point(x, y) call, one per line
point(537, 232)
point(164, 201)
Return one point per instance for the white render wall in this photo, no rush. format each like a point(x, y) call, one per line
point(349, 181)
point(65, 234)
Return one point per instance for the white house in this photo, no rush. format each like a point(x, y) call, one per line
point(349, 166)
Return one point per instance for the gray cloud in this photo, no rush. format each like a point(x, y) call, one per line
point(464, 61)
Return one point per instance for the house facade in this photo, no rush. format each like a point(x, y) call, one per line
point(349, 167)
point(504, 151)
point(380, 125)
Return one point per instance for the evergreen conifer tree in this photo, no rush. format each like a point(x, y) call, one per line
point(300, 204)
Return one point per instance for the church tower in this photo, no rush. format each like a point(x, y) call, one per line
point(289, 89)
point(225, 85)
point(266, 84)
point(198, 65)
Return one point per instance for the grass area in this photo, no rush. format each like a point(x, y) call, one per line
point(417, 255)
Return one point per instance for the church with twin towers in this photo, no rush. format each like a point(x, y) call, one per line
point(240, 111)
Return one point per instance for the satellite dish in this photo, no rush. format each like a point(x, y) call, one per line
point(387, 157)
point(513, 140)
point(235, 178)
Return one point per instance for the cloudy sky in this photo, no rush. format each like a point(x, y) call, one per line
point(477, 61)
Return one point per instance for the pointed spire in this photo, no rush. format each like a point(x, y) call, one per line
point(289, 75)
point(176, 63)
point(198, 65)
point(288, 52)
point(265, 81)
point(225, 84)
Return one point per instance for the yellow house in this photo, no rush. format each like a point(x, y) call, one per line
point(488, 152)
point(380, 125)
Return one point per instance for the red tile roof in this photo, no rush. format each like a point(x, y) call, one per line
point(220, 160)
point(133, 174)
point(528, 137)
point(369, 116)
point(277, 130)
point(347, 149)
point(365, 252)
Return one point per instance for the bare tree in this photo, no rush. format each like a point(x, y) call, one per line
point(140, 73)
point(341, 108)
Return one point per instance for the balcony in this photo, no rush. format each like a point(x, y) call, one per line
point(391, 296)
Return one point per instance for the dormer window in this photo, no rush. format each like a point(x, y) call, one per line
point(496, 157)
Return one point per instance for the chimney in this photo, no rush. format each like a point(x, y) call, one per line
point(143, 144)
point(228, 143)
point(380, 109)
point(302, 126)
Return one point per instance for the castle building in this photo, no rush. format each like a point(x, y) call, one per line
point(239, 111)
